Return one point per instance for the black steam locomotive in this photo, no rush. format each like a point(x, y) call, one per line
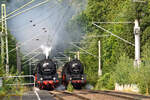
point(46, 75)
point(73, 72)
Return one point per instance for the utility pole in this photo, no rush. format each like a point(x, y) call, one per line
point(137, 43)
point(4, 35)
point(99, 59)
point(75, 56)
point(2, 47)
point(69, 58)
point(30, 63)
point(78, 55)
point(18, 59)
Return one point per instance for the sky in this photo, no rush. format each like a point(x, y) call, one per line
point(43, 25)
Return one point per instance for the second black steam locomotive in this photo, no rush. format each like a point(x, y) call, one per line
point(73, 72)
point(46, 74)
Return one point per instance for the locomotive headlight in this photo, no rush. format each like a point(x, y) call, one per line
point(41, 78)
point(54, 78)
point(82, 78)
point(70, 78)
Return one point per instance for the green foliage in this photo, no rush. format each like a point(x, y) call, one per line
point(105, 82)
point(5, 90)
point(143, 79)
point(144, 71)
point(70, 87)
point(126, 73)
point(12, 54)
point(124, 70)
point(111, 47)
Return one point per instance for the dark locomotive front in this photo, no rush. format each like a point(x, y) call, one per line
point(73, 72)
point(46, 74)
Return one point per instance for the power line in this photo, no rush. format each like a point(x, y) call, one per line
point(31, 52)
point(28, 9)
point(29, 39)
point(84, 50)
point(60, 23)
point(21, 44)
point(113, 34)
point(31, 58)
point(41, 20)
point(28, 3)
point(114, 22)
point(95, 36)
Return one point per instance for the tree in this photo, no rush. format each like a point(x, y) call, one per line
point(12, 55)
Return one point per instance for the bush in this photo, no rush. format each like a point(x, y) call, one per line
point(124, 71)
point(105, 82)
point(143, 78)
point(70, 87)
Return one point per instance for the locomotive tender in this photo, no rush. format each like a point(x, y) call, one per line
point(46, 74)
point(73, 72)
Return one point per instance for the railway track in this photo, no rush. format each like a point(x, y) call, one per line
point(63, 95)
point(96, 95)
point(123, 95)
point(136, 96)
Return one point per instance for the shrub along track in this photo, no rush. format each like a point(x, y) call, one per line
point(96, 95)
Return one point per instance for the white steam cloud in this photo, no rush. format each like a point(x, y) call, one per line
point(46, 50)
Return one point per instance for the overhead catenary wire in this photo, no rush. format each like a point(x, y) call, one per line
point(81, 42)
point(41, 20)
point(63, 54)
point(35, 36)
point(95, 36)
point(21, 44)
point(113, 34)
point(84, 50)
point(27, 40)
point(31, 52)
point(59, 24)
point(58, 60)
point(114, 22)
point(31, 58)
point(28, 9)
point(28, 3)
point(140, 1)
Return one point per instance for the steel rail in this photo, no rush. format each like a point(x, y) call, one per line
point(128, 96)
point(68, 93)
